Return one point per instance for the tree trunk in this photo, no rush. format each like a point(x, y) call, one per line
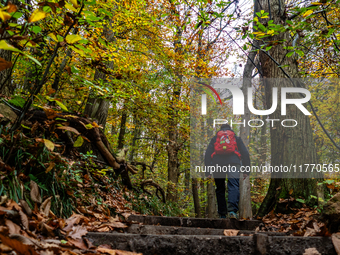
point(122, 130)
point(211, 205)
point(196, 198)
point(98, 107)
point(136, 134)
point(6, 85)
point(173, 146)
point(289, 146)
point(245, 210)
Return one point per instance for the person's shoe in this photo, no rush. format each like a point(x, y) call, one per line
point(232, 215)
point(223, 216)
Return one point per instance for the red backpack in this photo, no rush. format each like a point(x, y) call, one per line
point(225, 143)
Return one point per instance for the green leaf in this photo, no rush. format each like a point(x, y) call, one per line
point(63, 241)
point(83, 41)
point(36, 29)
point(17, 15)
point(25, 126)
point(79, 142)
point(89, 126)
point(60, 119)
point(62, 106)
point(60, 38)
point(290, 53)
point(268, 48)
point(300, 52)
point(47, 9)
point(300, 200)
point(32, 58)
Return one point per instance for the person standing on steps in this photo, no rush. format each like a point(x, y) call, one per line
point(225, 154)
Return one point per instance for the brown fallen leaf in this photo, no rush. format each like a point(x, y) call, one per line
point(71, 129)
point(311, 251)
point(12, 227)
point(46, 229)
point(46, 252)
point(19, 247)
point(116, 252)
point(24, 219)
point(316, 227)
point(46, 206)
point(114, 225)
point(336, 242)
point(26, 207)
point(309, 232)
point(4, 230)
point(88, 243)
point(4, 248)
point(73, 220)
point(103, 229)
point(230, 232)
point(79, 243)
point(35, 193)
point(11, 205)
point(77, 232)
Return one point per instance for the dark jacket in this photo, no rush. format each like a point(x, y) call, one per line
point(223, 160)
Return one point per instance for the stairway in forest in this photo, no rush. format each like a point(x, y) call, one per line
point(188, 236)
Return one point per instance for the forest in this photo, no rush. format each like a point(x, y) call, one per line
point(101, 115)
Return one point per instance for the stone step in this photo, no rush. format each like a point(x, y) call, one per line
point(203, 245)
point(195, 222)
point(170, 230)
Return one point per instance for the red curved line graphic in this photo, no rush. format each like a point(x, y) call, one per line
point(213, 90)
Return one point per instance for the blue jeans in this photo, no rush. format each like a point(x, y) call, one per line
point(233, 191)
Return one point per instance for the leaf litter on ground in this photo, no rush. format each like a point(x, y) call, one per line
point(43, 233)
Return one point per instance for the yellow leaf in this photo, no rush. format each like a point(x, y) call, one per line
point(70, 39)
point(53, 37)
point(37, 15)
point(316, 3)
point(70, 7)
point(62, 106)
point(80, 52)
point(307, 13)
point(89, 126)
point(75, 3)
point(50, 167)
point(6, 46)
point(265, 17)
point(4, 15)
point(49, 145)
point(79, 142)
point(270, 32)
